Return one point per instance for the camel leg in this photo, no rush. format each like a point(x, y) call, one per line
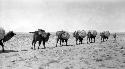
point(107, 38)
point(87, 40)
point(90, 40)
point(34, 46)
point(81, 40)
point(103, 39)
point(1, 43)
point(94, 39)
point(57, 42)
point(60, 41)
point(3, 47)
point(34, 42)
point(76, 41)
point(39, 44)
point(66, 42)
point(44, 44)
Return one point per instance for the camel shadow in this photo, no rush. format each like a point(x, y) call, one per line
point(66, 45)
point(24, 50)
point(80, 43)
point(7, 51)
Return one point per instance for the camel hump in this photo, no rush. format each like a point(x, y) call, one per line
point(41, 31)
point(106, 33)
point(63, 34)
point(80, 33)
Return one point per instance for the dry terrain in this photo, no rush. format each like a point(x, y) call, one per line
point(106, 55)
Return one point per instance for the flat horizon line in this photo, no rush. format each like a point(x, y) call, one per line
point(69, 32)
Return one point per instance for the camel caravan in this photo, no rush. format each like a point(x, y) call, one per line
point(41, 36)
point(63, 36)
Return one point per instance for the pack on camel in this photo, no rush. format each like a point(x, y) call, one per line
point(62, 36)
point(5, 37)
point(40, 36)
point(79, 35)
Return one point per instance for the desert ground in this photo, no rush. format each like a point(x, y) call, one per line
point(19, 55)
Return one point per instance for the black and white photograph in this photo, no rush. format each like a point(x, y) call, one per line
point(62, 34)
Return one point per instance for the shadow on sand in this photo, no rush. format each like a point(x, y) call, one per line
point(24, 50)
point(7, 51)
point(66, 45)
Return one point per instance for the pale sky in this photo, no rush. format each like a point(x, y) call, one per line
point(69, 15)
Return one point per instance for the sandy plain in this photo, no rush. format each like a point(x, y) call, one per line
point(106, 55)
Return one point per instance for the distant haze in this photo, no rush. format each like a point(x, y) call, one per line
point(70, 15)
